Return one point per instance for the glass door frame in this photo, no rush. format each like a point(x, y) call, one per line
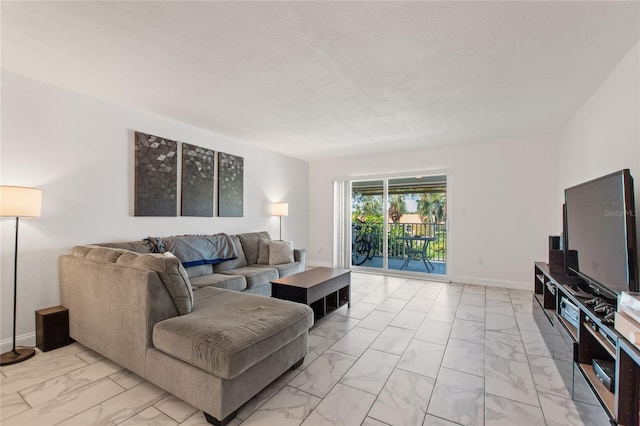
point(385, 208)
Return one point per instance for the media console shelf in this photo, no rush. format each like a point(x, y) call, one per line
point(592, 339)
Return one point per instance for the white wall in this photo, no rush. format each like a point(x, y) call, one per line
point(603, 136)
point(79, 151)
point(502, 204)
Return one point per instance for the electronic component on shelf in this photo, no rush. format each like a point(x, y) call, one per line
point(570, 312)
point(605, 372)
point(594, 301)
point(551, 288)
point(604, 308)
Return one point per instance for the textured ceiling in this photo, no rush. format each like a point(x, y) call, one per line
point(312, 79)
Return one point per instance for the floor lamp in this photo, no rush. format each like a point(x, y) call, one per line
point(17, 201)
point(280, 209)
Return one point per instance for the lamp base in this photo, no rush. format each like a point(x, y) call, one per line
point(19, 355)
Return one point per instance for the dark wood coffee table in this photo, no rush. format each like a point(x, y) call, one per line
point(323, 289)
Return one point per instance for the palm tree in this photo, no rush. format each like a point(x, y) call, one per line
point(397, 207)
point(432, 207)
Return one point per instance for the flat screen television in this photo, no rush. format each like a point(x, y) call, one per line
point(600, 233)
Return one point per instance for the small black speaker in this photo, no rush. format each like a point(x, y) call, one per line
point(556, 261)
point(52, 328)
point(570, 261)
point(556, 256)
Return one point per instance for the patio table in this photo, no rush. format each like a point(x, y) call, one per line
point(421, 250)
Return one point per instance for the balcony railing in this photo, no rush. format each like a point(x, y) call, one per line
point(370, 235)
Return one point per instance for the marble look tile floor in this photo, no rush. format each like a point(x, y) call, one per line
point(408, 352)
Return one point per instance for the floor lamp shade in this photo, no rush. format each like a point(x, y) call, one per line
point(18, 201)
point(280, 209)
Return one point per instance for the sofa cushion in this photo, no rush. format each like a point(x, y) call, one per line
point(228, 332)
point(280, 252)
point(198, 271)
point(226, 281)
point(250, 245)
point(255, 275)
point(284, 269)
point(171, 273)
point(238, 262)
point(98, 253)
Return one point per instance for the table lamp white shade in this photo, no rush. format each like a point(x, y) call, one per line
point(19, 201)
point(280, 209)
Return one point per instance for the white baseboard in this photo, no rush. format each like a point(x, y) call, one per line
point(319, 264)
point(486, 282)
point(28, 340)
point(514, 285)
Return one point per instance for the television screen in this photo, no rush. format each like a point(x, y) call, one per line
point(600, 228)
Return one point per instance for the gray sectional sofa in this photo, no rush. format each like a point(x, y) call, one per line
point(197, 332)
point(244, 273)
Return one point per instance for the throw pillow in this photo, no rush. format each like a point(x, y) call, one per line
point(250, 245)
point(280, 252)
point(263, 251)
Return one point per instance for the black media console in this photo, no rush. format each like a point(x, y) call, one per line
point(574, 331)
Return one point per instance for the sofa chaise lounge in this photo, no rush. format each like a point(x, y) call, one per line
point(209, 345)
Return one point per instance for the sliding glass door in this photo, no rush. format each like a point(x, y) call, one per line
point(400, 224)
point(417, 224)
point(367, 223)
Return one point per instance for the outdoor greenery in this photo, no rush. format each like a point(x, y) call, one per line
point(366, 208)
point(432, 207)
point(397, 207)
point(368, 218)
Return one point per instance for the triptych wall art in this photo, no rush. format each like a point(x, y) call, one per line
point(197, 181)
point(230, 185)
point(156, 172)
point(156, 176)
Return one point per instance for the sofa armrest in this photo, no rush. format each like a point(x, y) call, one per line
point(300, 255)
point(113, 308)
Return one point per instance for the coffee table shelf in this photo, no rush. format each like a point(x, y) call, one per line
point(323, 289)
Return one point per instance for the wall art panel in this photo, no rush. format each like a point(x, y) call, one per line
point(197, 181)
point(230, 185)
point(156, 176)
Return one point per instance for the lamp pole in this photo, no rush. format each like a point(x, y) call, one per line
point(15, 288)
point(17, 201)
